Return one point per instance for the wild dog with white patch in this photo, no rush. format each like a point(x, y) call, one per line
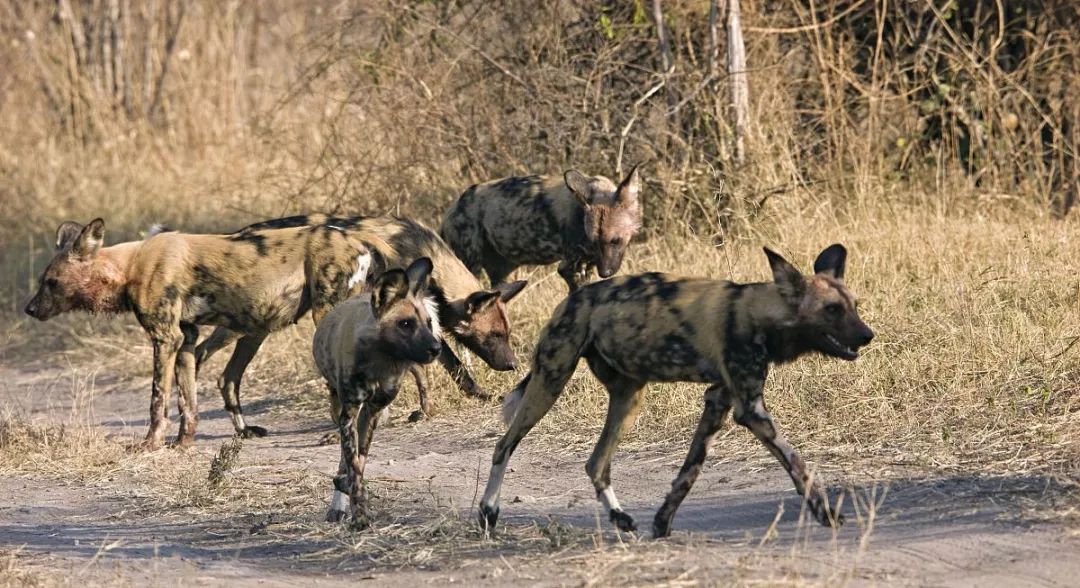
point(363, 347)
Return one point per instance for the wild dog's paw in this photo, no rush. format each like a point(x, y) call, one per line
point(150, 444)
point(183, 441)
point(488, 517)
point(361, 521)
point(252, 431)
point(623, 521)
point(416, 416)
point(661, 528)
point(824, 514)
point(478, 393)
point(335, 516)
point(331, 438)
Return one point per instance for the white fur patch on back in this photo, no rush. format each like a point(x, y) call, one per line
point(432, 308)
point(363, 264)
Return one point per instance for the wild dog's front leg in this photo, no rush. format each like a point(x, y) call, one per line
point(421, 391)
point(461, 375)
point(246, 348)
point(717, 405)
point(574, 272)
point(624, 403)
point(188, 399)
point(166, 345)
point(347, 484)
point(753, 415)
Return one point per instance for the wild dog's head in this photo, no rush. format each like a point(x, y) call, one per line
point(483, 327)
point(72, 280)
point(826, 318)
point(408, 322)
point(612, 215)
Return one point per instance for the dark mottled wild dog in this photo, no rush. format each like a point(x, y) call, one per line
point(253, 283)
point(472, 315)
point(577, 220)
point(653, 327)
point(363, 347)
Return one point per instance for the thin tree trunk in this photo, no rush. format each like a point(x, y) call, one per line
point(714, 37)
point(740, 89)
point(662, 36)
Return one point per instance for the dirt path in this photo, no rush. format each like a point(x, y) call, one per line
point(961, 531)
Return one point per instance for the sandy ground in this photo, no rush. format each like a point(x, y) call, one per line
point(958, 530)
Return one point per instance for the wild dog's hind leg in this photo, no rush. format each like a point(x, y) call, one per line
point(557, 353)
point(753, 415)
point(624, 404)
point(187, 399)
point(218, 339)
point(246, 348)
point(717, 405)
point(540, 395)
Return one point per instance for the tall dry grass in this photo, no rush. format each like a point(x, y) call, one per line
point(935, 142)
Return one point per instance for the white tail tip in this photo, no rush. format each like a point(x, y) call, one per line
point(157, 229)
point(511, 403)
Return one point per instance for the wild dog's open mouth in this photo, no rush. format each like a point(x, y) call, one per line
point(838, 349)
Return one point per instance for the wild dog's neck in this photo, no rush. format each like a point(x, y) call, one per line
point(449, 317)
point(105, 286)
point(769, 319)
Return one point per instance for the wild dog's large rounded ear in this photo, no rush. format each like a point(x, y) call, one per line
point(508, 291)
point(66, 233)
point(391, 286)
point(630, 187)
point(481, 301)
point(789, 279)
point(579, 186)
point(418, 272)
point(90, 239)
point(831, 261)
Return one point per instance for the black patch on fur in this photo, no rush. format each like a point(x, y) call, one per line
point(171, 293)
point(255, 239)
point(287, 222)
point(517, 184)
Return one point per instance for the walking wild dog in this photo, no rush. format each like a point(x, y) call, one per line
point(653, 327)
point(577, 220)
point(473, 316)
point(363, 347)
point(174, 282)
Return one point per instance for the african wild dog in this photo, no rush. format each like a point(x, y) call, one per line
point(577, 220)
point(473, 316)
point(363, 347)
point(653, 327)
point(254, 283)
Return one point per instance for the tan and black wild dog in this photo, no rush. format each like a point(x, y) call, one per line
point(253, 283)
point(576, 220)
point(363, 347)
point(472, 315)
point(653, 327)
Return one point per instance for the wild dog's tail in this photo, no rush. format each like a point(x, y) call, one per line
point(513, 399)
point(157, 229)
point(556, 355)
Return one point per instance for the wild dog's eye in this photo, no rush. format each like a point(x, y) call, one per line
point(834, 308)
point(616, 241)
point(52, 282)
point(406, 324)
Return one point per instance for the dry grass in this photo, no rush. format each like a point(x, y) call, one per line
point(974, 366)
